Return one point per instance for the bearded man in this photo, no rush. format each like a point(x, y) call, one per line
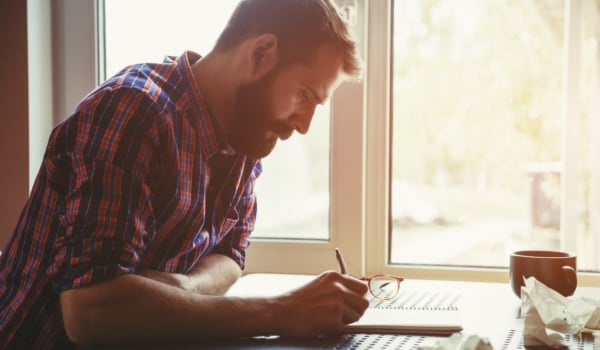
point(140, 216)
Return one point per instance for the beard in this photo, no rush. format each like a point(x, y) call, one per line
point(255, 127)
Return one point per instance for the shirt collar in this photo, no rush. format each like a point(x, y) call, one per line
point(214, 141)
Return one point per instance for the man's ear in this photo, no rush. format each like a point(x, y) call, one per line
point(263, 55)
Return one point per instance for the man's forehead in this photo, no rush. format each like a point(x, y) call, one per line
point(325, 73)
point(324, 91)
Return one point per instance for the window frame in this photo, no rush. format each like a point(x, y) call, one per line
point(360, 152)
point(378, 103)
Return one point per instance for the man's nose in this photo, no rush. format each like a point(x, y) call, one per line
point(303, 119)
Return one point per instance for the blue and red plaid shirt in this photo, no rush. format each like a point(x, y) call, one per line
point(140, 176)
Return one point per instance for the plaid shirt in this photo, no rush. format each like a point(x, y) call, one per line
point(140, 176)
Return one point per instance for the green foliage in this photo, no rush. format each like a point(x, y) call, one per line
point(477, 88)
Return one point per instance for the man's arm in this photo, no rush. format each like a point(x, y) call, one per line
point(213, 276)
point(136, 309)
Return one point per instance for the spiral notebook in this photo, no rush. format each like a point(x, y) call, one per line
point(412, 312)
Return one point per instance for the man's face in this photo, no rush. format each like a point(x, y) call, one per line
point(256, 126)
point(280, 102)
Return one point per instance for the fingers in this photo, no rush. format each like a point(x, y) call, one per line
point(355, 284)
point(354, 307)
point(350, 317)
point(324, 305)
point(349, 283)
point(352, 293)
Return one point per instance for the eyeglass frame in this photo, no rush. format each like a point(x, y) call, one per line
point(379, 275)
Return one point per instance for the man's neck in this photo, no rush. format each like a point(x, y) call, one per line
point(215, 79)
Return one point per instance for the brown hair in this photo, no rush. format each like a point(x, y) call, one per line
point(301, 27)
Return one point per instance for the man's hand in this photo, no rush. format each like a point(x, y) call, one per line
point(323, 306)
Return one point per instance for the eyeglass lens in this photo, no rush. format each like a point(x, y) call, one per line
point(383, 287)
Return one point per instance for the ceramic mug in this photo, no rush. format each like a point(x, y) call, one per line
point(556, 269)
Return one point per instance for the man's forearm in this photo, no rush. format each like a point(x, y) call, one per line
point(136, 309)
point(114, 316)
point(212, 276)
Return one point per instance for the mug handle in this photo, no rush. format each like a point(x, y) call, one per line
point(571, 274)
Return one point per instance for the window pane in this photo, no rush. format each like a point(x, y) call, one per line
point(147, 30)
point(477, 158)
point(293, 192)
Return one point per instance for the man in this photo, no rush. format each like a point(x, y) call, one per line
point(140, 216)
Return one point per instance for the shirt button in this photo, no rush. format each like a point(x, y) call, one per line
point(197, 240)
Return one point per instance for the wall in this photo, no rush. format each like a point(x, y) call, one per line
point(13, 115)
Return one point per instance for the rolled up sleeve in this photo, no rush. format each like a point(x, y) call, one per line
point(100, 165)
point(237, 239)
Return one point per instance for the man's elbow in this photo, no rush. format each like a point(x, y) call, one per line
point(77, 320)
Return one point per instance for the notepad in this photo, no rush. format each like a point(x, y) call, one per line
point(411, 312)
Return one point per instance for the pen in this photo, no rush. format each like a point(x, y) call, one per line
point(340, 259)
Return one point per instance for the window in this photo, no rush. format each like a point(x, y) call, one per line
point(481, 141)
point(460, 138)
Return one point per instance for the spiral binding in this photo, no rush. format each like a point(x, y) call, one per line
point(419, 300)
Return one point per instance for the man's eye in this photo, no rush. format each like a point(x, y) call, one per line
point(304, 96)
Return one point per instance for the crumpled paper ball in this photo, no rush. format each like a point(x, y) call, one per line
point(459, 341)
point(548, 315)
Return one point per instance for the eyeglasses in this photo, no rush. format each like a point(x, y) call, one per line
point(383, 287)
